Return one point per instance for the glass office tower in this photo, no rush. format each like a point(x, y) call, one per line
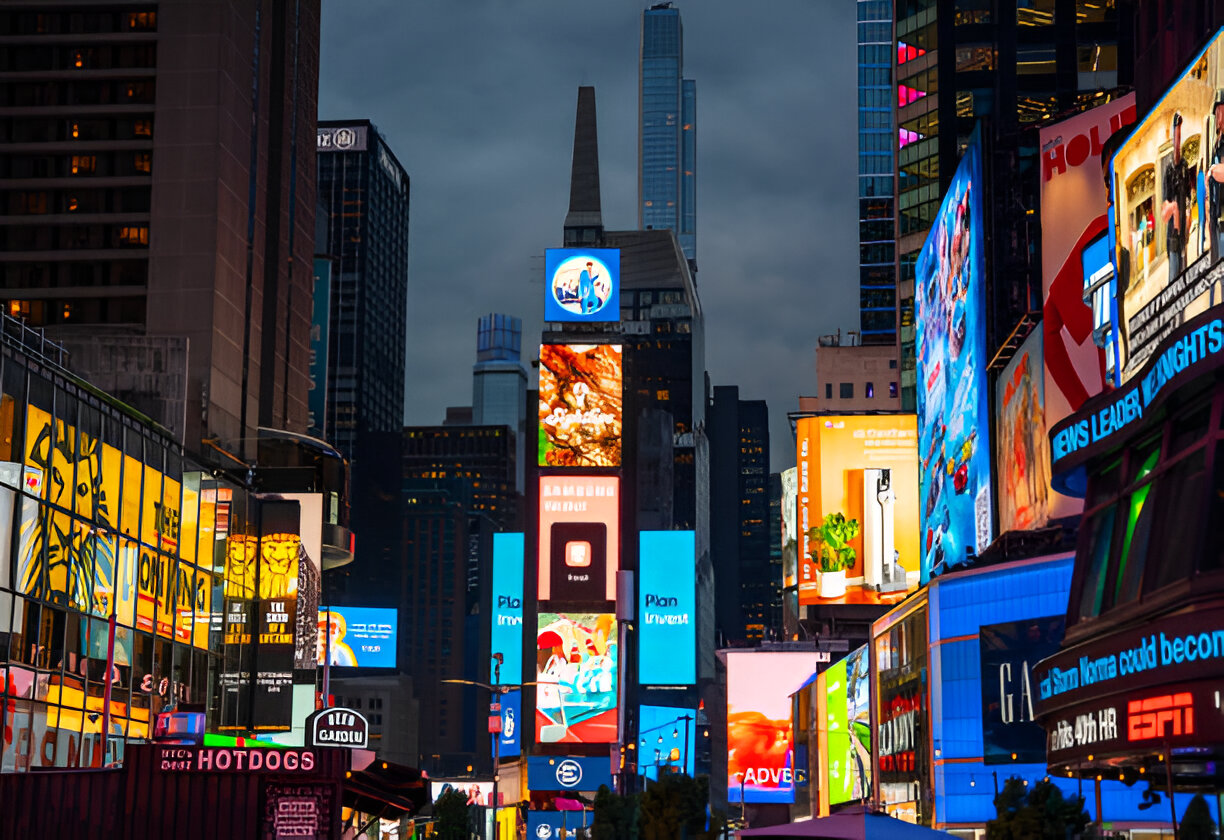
point(667, 131)
point(877, 132)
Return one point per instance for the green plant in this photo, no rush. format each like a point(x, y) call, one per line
point(831, 542)
point(451, 815)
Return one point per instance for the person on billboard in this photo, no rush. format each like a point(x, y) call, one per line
point(1215, 178)
point(587, 299)
point(332, 630)
point(1176, 180)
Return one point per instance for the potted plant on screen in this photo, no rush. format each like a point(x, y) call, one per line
point(831, 553)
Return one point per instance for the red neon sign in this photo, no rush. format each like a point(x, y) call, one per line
point(1153, 717)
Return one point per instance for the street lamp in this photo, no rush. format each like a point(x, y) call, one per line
point(498, 689)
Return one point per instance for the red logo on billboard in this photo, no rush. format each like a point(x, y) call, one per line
point(1158, 717)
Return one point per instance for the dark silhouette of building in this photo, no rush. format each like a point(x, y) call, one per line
point(476, 465)
point(1168, 33)
point(157, 171)
point(748, 590)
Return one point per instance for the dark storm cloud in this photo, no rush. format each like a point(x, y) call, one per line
point(477, 100)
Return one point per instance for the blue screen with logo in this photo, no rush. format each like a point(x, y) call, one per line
point(667, 740)
point(547, 825)
point(667, 598)
point(358, 637)
point(582, 284)
point(507, 632)
point(554, 772)
point(511, 721)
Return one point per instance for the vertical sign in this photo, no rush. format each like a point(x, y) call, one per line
point(280, 544)
point(667, 600)
point(579, 537)
point(511, 722)
point(507, 631)
point(320, 322)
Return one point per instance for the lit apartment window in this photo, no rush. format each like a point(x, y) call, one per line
point(134, 235)
point(892, 390)
point(663, 395)
point(144, 162)
point(84, 164)
point(142, 21)
point(143, 128)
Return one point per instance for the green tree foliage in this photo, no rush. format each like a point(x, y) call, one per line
point(1036, 812)
point(675, 807)
point(1196, 823)
point(451, 816)
point(614, 816)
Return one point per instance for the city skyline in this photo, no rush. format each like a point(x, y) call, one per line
point(487, 139)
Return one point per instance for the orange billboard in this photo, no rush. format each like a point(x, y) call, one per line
point(580, 405)
point(579, 550)
point(865, 468)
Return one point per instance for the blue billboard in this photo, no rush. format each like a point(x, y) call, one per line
point(507, 631)
point(953, 423)
point(357, 637)
point(667, 740)
point(557, 772)
point(511, 740)
point(582, 284)
point(667, 601)
point(548, 825)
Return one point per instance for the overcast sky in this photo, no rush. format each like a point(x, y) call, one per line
point(477, 101)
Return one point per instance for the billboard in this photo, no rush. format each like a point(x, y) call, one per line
point(668, 740)
point(577, 678)
point(358, 637)
point(840, 464)
point(847, 723)
point(1008, 653)
point(506, 635)
point(1168, 211)
point(790, 527)
point(511, 724)
point(1022, 444)
point(320, 328)
point(1074, 218)
point(561, 773)
point(667, 608)
point(950, 329)
point(579, 537)
point(477, 792)
point(580, 405)
point(582, 284)
point(760, 737)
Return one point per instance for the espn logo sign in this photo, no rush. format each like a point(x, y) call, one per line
point(1159, 717)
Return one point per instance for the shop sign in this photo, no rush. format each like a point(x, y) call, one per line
point(338, 727)
point(235, 760)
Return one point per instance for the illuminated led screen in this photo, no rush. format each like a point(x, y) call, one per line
point(506, 634)
point(582, 284)
point(579, 540)
point(848, 726)
point(358, 637)
point(577, 674)
point(580, 405)
point(667, 740)
point(667, 604)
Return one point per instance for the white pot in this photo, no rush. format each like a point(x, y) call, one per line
point(831, 584)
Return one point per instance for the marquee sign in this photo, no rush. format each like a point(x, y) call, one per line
point(338, 727)
point(235, 760)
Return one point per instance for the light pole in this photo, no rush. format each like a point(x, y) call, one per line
point(498, 689)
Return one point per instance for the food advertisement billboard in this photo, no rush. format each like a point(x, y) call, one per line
point(1023, 445)
point(842, 462)
point(1009, 692)
point(582, 284)
point(507, 631)
point(357, 637)
point(667, 741)
point(577, 678)
point(1168, 211)
point(580, 405)
point(950, 330)
point(847, 723)
point(579, 541)
point(667, 604)
point(790, 527)
point(760, 737)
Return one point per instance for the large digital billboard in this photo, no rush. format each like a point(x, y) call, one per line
point(579, 538)
point(506, 634)
point(568, 773)
point(580, 405)
point(950, 335)
point(667, 608)
point(477, 792)
point(582, 284)
point(511, 734)
point(667, 741)
point(357, 637)
point(760, 738)
point(577, 678)
point(1168, 211)
point(1023, 455)
point(1009, 693)
point(847, 724)
point(864, 467)
point(790, 527)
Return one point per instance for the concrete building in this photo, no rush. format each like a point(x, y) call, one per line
point(157, 167)
point(852, 378)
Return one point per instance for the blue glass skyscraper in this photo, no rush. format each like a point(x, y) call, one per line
point(667, 131)
point(877, 141)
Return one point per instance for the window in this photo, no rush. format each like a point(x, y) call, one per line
point(892, 364)
point(142, 21)
point(83, 164)
point(143, 162)
point(870, 390)
point(1035, 12)
point(143, 128)
point(828, 390)
point(134, 235)
point(663, 395)
point(847, 390)
point(892, 390)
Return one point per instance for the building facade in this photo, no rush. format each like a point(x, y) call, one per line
point(854, 377)
point(172, 258)
point(499, 383)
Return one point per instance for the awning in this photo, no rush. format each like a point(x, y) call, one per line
point(386, 790)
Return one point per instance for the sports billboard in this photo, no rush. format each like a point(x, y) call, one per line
point(760, 737)
point(577, 678)
point(358, 637)
point(847, 724)
point(1009, 692)
point(506, 634)
point(841, 469)
point(1022, 444)
point(579, 540)
point(667, 608)
point(950, 335)
point(582, 284)
point(1168, 211)
point(667, 741)
point(580, 405)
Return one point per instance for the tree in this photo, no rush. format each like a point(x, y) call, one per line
point(1196, 823)
point(451, 816)
point(675, 807)
point(1030, 812)
point(613, 815)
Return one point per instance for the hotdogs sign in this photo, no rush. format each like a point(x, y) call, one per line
point(235, 760)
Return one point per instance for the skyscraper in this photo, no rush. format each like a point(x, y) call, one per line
point(667, 131)
point(157, 163)
point(876, 186)
point(499, 383)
